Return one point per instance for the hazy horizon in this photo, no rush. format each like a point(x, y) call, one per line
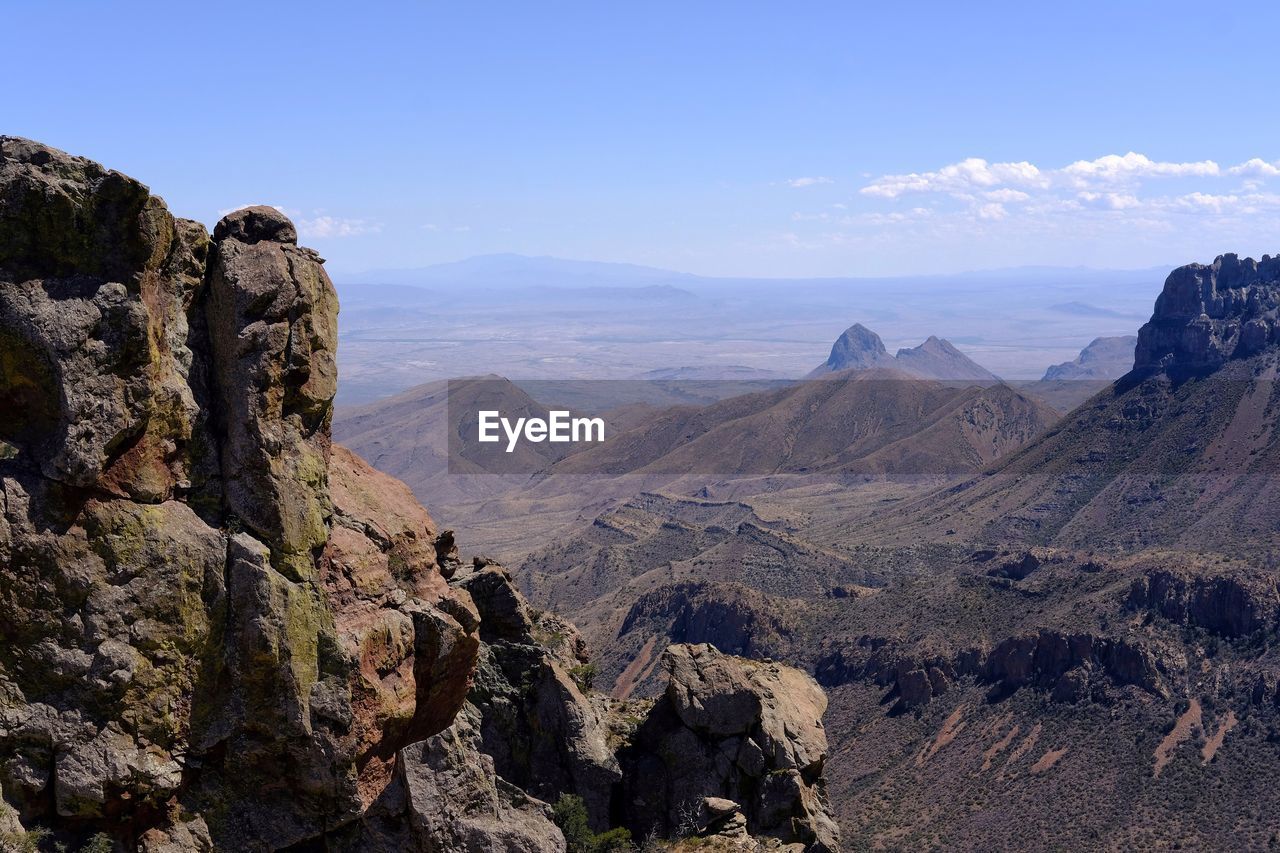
point(367, 276)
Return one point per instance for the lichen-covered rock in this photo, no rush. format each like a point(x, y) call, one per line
point(98, 286)
point(744, 730)
point(187, 834)
point(199, 651)
point(220, 632)
point(413, 640)
point(273, 323)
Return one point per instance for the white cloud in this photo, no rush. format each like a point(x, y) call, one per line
point(973, 173)
point(332, 227)
point(1116, 167)
point(797, 183)
point(1006, 195)
point(974, 178)
point(1256, 167)
point(1128, 206)
point(1114, 189)
point(1109, 201)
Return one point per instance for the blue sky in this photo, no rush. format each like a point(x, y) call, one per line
point(777, 139)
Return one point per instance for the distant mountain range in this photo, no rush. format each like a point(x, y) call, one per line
point(511, 267)
point(547, 318)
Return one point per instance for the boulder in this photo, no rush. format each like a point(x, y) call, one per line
point(737, 729)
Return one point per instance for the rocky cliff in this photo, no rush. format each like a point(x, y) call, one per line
point(215, 627)
point(218, 630)
point(1210, 314)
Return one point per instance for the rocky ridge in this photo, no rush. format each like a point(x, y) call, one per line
point(219, 630)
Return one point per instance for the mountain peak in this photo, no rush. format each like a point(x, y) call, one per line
point(859, 348)
point(937, 358)
point(1210, 314)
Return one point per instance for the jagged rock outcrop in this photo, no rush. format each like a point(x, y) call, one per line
point(458, 802)
point(747, 731)
point(1210, 314)
point(96, 347)
point(543, 732)
point(273, 324)
point(198, 649)
point(1067, 666)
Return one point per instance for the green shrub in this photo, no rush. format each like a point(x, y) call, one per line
point(100, 843)
point(23, 842)
point(584, 676)
point(571, 816)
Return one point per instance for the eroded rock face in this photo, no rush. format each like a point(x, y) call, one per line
point(1226, 605)
point(97, 352)
point(1210, 314)
point(457, 801)
point(544, 734)
point(412, 639)
point(743, 730)
point(205, 645)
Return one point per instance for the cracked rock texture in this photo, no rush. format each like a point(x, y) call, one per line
point(195, 621)
point(746, 731)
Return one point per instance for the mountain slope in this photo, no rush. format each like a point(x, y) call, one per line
point(939, 359)
point(857, 422)
point(1183, 452)
point(1098, 611)
point(1103, 358)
